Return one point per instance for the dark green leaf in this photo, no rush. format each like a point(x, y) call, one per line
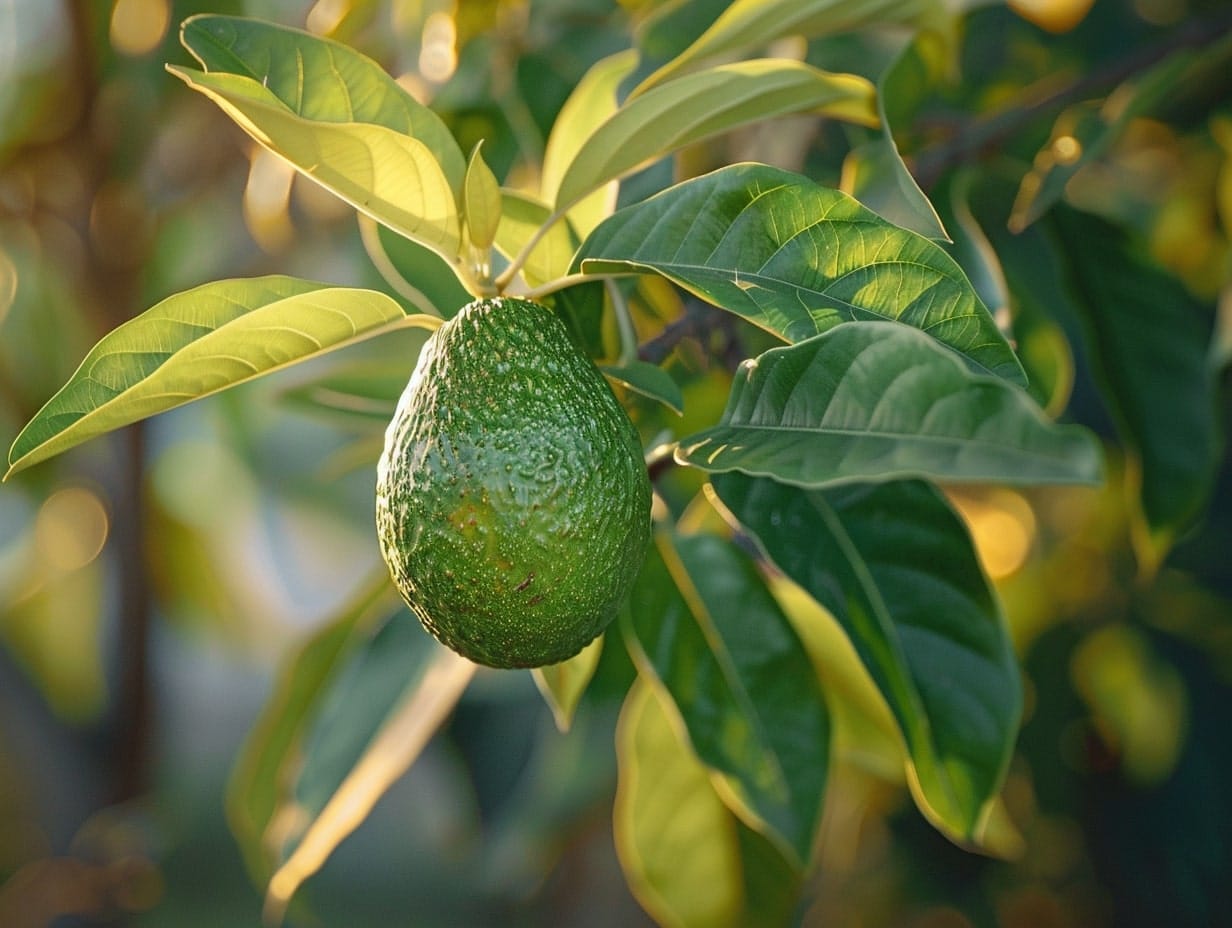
point(649, 380)
point(895, 566)
point(875, 401)
point(1149, 341)
point(797, 259)
point(702, 620)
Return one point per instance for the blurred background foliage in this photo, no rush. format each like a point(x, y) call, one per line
point(151, 583)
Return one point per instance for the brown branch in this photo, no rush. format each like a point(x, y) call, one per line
point(978, 138)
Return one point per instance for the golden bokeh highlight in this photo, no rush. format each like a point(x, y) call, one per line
point(327, 15)
point(138, 26)
point(267, 197)
point(438, 53)
point(70, 529)
point(1003, 528)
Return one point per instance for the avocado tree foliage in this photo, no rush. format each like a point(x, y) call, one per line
point(882, 371)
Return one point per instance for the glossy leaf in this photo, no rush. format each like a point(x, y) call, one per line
point(895, 567)
point(592, 102)
point(1149, 342)
point(379, 714)
point(874, 401)
point(383, 173)
point(797, 259)
point(649, 380)
point(197, 343)
point(676, 841)
point(563, 684)
point(703, 622)
point(874, 172)
point(706, 104)
point(749, 24)
point(320, 80)
point(481, 197)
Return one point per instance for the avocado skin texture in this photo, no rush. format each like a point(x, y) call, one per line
point(512, 500)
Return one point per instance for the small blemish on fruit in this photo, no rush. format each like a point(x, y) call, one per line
point(525, 583)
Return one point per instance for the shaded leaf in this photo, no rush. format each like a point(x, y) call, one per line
point(877, 401)
point(197, 343)
point(701, 619)
point(1148, 340)
point(319, 79)
point(413, 271)
point(676, 841)
point(649, 380)
point(895, 566)
point(796, 259)
point(378, 715)
point(563, 684)
point(874, 172)
point(523, 217)
point(383, 173)
point(255, 790)
point(706, 104)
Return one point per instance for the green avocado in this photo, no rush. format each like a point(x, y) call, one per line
point(512, 500)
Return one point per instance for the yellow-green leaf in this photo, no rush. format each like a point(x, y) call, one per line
point(385, 174)
point(481, 196)
point(677, 842)
point(197, 343)
point(699, 106)
point(563, 684)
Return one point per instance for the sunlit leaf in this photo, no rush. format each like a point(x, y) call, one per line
point(676, 841)
point(895, 566)
point(702, 105)
point(563, 684)
point(383, 173)
point(522, 219)
point(197, 343)
point(876, 401)
point(481, 196)
point(319, 79)
point(874, 172)
point(381, 711)
point(649, 380)
point(749, 24)
point(797, 258)
point(1149, 340)
point(591, 103)
point(703, 621)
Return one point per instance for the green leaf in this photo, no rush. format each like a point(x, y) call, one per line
point(749, 24)
point(701, 619)
point(197, 343)
point(649, 380)
point(1148, 339)
point(593, 100)
point(874, 172)
point(413, 271)
point(379, 712)
point(563, 684)
point(706, 104)
point(874, 401)
point(895, 567)
point(255, 791)
point(676, 841)
point(523, 218)
point(797, 259)
point(482, 199)
point(383, 173)
point(320, 80)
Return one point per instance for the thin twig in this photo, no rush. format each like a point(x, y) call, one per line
point(982, 135)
